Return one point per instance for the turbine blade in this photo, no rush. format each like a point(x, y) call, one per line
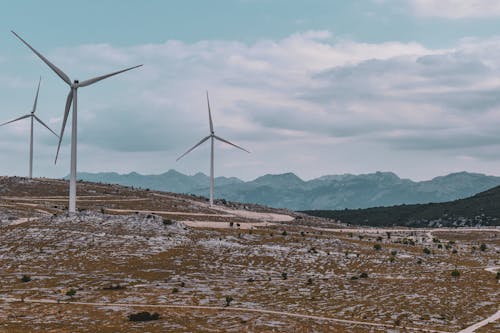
point(230, 143)
point(99, 78)
point(22, 117)
point(196, 145)
point(210, 115)
point(36, 97)
point(66, 113)
point(58, 71)
point(47, 127)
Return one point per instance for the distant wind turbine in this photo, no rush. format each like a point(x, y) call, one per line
point(212, 138)
point(72, 98)
point(33, 117)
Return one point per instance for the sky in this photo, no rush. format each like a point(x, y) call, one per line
point(313, 87)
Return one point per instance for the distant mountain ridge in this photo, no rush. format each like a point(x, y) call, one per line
point(327, 192)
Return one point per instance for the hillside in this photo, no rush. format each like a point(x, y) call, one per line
point(482, 209)
point(326, 192)
point(234, 267)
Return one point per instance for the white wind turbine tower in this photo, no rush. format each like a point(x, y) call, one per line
point(212, 138)
point(72, 98)
point(33, 117)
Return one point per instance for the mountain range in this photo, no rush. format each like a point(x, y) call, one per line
point(327, 192)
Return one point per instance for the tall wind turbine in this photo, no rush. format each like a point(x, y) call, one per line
point(33, 117)
point(72, 98)
point(212, 138)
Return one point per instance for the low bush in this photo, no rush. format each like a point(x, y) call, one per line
point(143, 316)
point(26, 278)
point(71, 292)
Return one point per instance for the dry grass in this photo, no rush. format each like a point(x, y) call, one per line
point(170, 264)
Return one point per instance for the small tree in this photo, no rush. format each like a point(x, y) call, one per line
point(229, 299)
point(483, 247)
point(284, 275)
point(455, 273)
point(426, 250)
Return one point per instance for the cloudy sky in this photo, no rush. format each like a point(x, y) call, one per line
point(312, 87)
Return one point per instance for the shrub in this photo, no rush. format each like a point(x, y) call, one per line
point(231, 224)
point(498, 276)
point(284, 275)
point(392, 259)
point(483, 247)
point(229, 299)
point(175, 290)
point(377, 247)
point(426, 250)
point(26, 278)
point(363, 275)
point(143, 316)
point(71, 292)
point(167, 222)
point(284, 233)
point(251, 279)
point(455, 273)
point(310, 281)
point(393, 253)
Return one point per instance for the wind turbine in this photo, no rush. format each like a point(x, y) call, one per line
point(72, 98)
point(33, 117)
point(212, 138)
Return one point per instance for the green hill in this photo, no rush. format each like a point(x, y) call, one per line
point(482, 209)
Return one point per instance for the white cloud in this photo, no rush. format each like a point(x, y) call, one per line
point(456, 9)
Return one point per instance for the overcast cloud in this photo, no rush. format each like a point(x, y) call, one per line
point(308, 99)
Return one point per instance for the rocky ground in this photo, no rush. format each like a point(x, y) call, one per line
point(232, 268)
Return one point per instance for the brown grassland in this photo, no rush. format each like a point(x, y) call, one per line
point(131, 250)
